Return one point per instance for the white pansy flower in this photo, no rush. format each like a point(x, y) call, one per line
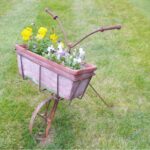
point(81, 53)
point(60, 46)
point(77, 60)
point(50, 48)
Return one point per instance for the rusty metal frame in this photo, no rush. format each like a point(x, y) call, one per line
point(70, 45)
point(102, 29)
point(35, 113)
point(50, 116)
point(55, 17)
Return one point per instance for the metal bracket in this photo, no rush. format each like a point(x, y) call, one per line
point(22, 70)
point(101, 98)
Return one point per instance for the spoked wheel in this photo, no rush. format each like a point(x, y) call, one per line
point(42, 117)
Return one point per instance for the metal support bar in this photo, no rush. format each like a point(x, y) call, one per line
point(22, 70)
point(57, 85)
point(36, 111)
point(55, 17)
point(99, 95)
point(102, 29)
point(39, 77)
point(85, 88)
point(74, 92)
point(70, 46)
point(50, 118)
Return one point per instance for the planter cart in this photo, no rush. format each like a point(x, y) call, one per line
point(63, 82)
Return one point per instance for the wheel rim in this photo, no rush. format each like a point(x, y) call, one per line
point(38, 120)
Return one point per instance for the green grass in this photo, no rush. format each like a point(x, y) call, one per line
point(123, 61)
point(5, 6)
point(143, 6)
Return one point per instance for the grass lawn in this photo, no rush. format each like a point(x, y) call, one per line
point(123, 61)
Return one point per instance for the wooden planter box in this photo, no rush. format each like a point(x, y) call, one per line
point(61, 80)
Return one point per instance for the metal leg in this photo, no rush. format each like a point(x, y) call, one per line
point(57, 85)
point(74, 92)
point(51, 117)
point(85, 88)
point(22, 70)
point(39, 77)
point(102, 99)
point(42, 118)
point(37, 113)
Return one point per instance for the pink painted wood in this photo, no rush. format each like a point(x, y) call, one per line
point(72, 83)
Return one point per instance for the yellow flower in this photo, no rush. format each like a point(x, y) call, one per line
point(42, 31)
point(53, 38)
point(26, 33)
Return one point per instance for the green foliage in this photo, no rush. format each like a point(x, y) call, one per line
point(39, 43)
point(38, 46)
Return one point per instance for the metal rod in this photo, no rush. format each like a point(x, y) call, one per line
point(22, 70)
point(39, 77)
point(86, 87)
point(102, 29)
point(36, 111)
point(69, 45)
point(47, 106)
point(42, 116)
point(51, 117)
point(74, 91)
point(99, 95)
point(57, 85)
point(55, 17)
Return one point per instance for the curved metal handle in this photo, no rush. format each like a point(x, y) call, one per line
point(110, 28)
point(47, 10)
point(55, 17)
point(102, 29)
point(70, 46)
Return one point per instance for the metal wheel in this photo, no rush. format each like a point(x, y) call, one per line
point(40, 117)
